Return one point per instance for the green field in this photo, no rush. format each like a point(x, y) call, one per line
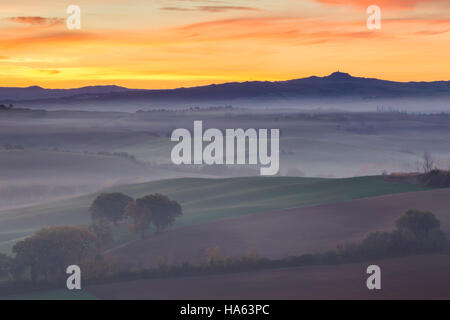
point(203, 200)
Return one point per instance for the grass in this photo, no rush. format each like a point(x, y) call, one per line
point(204, 200)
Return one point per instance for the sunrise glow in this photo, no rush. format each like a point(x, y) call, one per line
point(169, 43)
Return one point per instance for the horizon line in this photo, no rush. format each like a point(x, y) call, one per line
point(220, 83)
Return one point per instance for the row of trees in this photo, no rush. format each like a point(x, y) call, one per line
point(152, 210)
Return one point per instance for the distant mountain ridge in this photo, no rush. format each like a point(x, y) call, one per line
point(337, 84)
point(36, 92)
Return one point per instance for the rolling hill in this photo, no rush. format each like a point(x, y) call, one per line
point(205, 200)
point(288, 232)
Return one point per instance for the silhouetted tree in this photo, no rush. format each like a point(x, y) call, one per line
point(164, 210)
point(140, 215)
point(428, 162)
point(156, 209)
point(110, 206)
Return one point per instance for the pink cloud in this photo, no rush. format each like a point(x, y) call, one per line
point(37, 21)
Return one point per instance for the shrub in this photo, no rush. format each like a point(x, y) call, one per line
point(215, 259)
point(416, 232)
point(99, 267)
point(417, 224)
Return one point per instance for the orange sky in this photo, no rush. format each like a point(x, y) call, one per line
point(173, 43)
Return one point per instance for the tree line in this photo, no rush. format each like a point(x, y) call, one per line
point(415, 232)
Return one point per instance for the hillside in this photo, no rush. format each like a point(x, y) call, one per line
point(289, 232)
point(205, 200)
point(345, 281)
point(416, 277)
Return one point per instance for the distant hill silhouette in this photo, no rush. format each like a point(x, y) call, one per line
point(337, 84)
point(36, 92)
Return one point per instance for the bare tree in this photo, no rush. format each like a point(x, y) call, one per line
point(428, 162)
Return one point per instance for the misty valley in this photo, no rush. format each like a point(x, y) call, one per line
point(53, 154)
point(199, 154)
point(55, 165)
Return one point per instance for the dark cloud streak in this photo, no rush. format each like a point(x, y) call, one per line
point(36, 21)
point(212, 8)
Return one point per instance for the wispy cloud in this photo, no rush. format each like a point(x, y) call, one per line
point(47, 71)
point(431, 32)
point(386, 4)
point(212, 8)
point(36, 21)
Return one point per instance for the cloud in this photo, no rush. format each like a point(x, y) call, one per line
point(43, 38)
point(37, 21)
point(293, 30)
point(226, 8)
point(240, 48)
point(389, 4)
point(47, 71)
point(212, 8)
point(430, 32)
point(176, 9)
